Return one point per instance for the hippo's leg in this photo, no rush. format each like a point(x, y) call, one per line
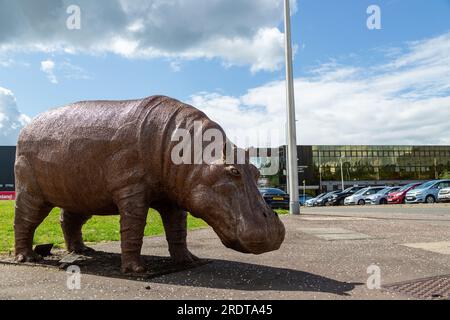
point(133, 218)
point(71, 224)
point(30, 211)
point(175, 225)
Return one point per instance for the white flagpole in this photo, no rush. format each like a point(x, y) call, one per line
point(291, 121)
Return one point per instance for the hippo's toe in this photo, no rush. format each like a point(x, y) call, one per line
point(183, 257)
point(133, 267)
point(28, 257)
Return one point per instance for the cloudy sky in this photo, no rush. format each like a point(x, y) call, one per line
point(353, 85)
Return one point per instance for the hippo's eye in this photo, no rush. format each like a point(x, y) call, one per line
point(235, 172)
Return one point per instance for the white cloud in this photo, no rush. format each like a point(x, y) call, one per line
point(175, 66)
point(403, 101)
point(65, 69)
point(48, 67)
point(237, 32)
point(11, 120)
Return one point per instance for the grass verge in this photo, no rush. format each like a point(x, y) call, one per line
point(96, 230)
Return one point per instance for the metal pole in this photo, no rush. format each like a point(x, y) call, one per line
point(320, 171)
point(292, 136)
point(304, 190)
point(342, 176)
point(287, 162)
point(435, 169)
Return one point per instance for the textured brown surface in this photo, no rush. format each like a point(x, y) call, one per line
point(114, 157)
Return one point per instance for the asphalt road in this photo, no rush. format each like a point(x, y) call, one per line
point(326, 255)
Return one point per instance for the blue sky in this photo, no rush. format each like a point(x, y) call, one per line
point(227, 60)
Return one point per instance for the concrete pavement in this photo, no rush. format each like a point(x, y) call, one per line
point(326, 255)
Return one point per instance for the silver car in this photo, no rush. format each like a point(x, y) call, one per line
point(427, 192)
point(381, 196)
point(444, 195)
point(312, 202)
point(359, 197)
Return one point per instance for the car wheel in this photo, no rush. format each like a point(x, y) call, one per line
point(383, 201)
point(341, 202)
point(430, 199)
point(361, 202)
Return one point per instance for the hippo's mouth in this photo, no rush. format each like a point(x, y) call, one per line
point(235, 245)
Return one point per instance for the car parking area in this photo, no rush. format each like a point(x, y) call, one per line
point(428, 192)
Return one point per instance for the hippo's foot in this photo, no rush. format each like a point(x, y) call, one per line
point(30, 256)
point(80, 249)
point(183, 256)
point(133, 267)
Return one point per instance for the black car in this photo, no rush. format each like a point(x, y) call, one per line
point(338, 198)
point(275, 198)
point(324, 199)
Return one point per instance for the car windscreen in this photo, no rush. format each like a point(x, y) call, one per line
point(384, 191)
point(372, 191)
point(272, 191)
point(426, 185)
point(406, 187)
point(357, 193)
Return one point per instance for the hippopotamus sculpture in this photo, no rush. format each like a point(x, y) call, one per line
point(114, 157)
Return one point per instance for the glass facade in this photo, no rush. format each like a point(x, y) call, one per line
point(318, 164)
point(381, 162)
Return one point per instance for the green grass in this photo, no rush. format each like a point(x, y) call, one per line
point(98, 229)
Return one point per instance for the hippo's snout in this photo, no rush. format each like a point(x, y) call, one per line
point(263, 236)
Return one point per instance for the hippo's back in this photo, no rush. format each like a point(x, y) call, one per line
point(68, 148)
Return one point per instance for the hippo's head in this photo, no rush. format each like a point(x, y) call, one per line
point(228, 199)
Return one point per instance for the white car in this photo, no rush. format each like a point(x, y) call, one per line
point(444, 195)
point(359, 197)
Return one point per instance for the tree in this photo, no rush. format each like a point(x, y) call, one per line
point(445, 175)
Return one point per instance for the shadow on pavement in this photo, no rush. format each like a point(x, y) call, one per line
point(222, 274)
point(218, 274)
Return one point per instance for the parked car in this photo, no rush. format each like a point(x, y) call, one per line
point(324, 201)
point(303, 198)
point(444, 195)
point(360, 196)
point(310, 202)
point(339, 197)
point(381, 196)
point(427, 192)
point(398, 197)
point(275, 198)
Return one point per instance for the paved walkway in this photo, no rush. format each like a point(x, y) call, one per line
point(326, 255)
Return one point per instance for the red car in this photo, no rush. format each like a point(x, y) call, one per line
point(398, 197)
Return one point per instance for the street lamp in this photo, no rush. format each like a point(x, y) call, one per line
point(291, 125)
